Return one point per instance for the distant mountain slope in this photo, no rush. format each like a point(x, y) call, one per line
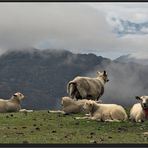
point(42, 75)
point(128, 58)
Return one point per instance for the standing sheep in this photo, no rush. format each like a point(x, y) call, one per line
point(104, 112)
point(13, 104)
point(139, 111)
point(86, 87)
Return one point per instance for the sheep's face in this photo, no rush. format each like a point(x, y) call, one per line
point(103, 75)
point(19, 95)
point(143, 101)
point(88, 105)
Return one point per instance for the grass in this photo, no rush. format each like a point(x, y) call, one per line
point(54, 128)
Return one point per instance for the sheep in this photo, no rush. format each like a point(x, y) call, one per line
point(12, 104)
point(104, 112)
point(139, 111)
point(86, 87)
point(71, 106)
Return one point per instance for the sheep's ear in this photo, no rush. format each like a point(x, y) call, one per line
point(98, 72)
point(138, 98)
point(104, 73)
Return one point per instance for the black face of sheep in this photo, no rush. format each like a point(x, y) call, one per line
point(103, 75)
point(143, 101)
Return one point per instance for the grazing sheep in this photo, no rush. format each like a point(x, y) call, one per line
point(139, 111)
point(71, 106)
point(86, 87)
point(104, 112)
point(13, 104)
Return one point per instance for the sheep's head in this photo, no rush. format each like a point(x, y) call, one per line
point(103, 75)
point(88, 105)
point(19, 96)
point(143, 101)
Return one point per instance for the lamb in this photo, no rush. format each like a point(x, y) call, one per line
point(71, 106)
point(104, 112)
point(13, 104)
point(139, 111)
point(86, 87)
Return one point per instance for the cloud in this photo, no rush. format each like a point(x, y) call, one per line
point(79, 27)
point(125, 82)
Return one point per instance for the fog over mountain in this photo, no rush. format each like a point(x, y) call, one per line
point(42, 76)
point(132, 59)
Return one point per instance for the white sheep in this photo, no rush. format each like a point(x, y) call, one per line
point(12, 104)
point(104, 112)
point(71, 106)
point(139, 111)
point(86, 87)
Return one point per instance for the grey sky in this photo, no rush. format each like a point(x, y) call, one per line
point(79, 27)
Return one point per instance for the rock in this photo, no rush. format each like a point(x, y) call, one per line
point(77, 123)
point(93, 141)
point(20, 133)
point(53, 131)
point(92, 133)
point(24, 127)
point(37, 128)
point(7, 116)
point(101, 139)
point(110, 137)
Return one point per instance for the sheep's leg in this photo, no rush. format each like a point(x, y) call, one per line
point(56, 111)
point(25, 110)
point(139, 118)
point(88, 115)
point(82, 118)
point(95, 118)
point(110, 120)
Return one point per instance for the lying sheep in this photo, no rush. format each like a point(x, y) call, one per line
point(86, 87)
point(71, 106)
point(104, 112)
point(13, 104)
point(139, 111)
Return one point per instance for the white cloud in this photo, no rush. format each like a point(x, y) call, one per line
point(79, 27)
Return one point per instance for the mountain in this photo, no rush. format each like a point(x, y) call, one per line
point(42, 76)
point(131, 59)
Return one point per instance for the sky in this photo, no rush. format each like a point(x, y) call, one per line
point(106, 29)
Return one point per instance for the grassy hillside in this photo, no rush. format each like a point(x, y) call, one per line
point(43, 127)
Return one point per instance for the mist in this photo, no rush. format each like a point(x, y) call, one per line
point(126, 80)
